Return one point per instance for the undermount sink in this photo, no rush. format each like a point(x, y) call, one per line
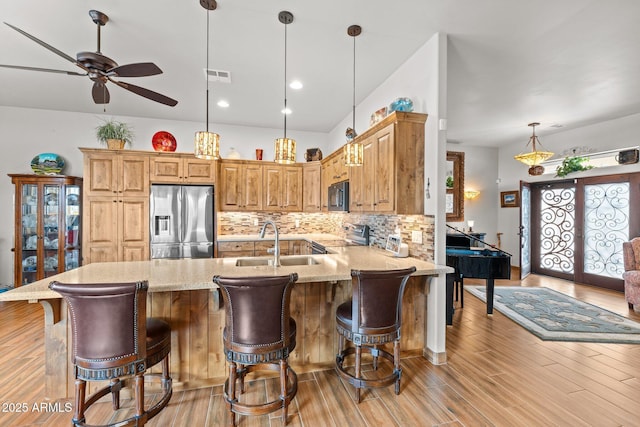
point(285, 261)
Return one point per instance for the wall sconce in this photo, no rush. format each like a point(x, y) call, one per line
point(471, 194)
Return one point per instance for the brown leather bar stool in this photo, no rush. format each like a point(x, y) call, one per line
point(371, 319)
point(113, 339)
point(259, 334)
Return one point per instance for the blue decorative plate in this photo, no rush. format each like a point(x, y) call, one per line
point(47, 164)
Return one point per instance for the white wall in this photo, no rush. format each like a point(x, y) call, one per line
point(29, 132)
point(480, 173)
point(613, 134)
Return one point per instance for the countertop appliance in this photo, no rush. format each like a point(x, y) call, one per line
point(357, 234)
point(181, 221)
point(339, 196)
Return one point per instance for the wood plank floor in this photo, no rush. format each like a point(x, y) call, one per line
point(497, 374)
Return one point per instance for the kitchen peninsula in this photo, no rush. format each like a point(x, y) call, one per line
point(182, 292)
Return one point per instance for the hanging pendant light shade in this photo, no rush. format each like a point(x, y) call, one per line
point(285, 148)
point(535, 157)
point(207, 144)
point(353, 150)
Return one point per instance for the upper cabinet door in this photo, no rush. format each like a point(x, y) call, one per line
point(134, 173)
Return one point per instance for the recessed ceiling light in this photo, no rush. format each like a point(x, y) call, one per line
point(222, 103)
point(296, 84)
point(286, 110)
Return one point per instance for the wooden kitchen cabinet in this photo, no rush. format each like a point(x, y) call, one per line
point(47, 226)
point(311, 188)
point(282, 187)
point(260, 247)
point(333, 170)
point(337, 171)
point(235, 249)
point(180, 169)
point(116, 206)
point(376, 189)
point(240, 184)
point(391, 179)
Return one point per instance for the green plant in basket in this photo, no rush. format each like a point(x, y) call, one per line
point(572, 164)
point(112, 130)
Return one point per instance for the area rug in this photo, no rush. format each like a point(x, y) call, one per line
point(553, 316)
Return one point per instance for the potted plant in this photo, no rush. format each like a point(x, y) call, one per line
point(572, 164)
point(114, 134)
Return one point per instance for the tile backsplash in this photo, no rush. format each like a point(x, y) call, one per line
point(333, 223)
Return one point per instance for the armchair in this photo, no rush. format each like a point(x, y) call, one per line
point(631, 275)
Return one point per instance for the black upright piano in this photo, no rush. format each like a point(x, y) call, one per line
point(489, 263)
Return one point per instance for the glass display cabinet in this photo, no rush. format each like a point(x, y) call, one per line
point(47, 226)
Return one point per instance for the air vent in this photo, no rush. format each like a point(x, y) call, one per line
point(218, 75)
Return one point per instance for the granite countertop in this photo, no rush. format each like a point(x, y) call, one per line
point(189, 274)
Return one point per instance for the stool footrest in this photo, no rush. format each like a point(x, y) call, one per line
point(362, 382)
point(135, 420)
point(268, 407)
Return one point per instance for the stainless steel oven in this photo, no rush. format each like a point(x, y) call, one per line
point(339, 196)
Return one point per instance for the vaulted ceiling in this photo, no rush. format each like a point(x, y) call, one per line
point(563, 63)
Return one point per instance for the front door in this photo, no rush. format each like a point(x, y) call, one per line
point(578, 227)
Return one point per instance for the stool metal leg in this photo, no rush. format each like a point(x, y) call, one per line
point(358, 368)
point(81, 386)
point(115, 393)
point(231, 393)
point(396, 363)
point(283, 389)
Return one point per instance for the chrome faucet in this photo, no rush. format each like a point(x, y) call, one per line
point(276, 248)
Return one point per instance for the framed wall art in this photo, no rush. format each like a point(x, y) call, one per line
point(510, 199)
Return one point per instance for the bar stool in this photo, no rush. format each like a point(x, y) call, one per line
point(113, 339)
point(259, 334)
point(371, 319)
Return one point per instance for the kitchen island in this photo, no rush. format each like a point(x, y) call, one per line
point(183, 293)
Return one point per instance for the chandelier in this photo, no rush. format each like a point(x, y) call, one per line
point(207, 144)
point(285, 148)
point(353, 150)
point(535, 157)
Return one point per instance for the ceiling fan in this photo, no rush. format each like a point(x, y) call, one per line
point(101, 69)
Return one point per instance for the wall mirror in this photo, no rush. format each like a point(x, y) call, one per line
point(455, 186)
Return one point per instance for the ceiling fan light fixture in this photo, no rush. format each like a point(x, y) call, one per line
point(353, 151)
point(535, 157)
point(100, 68)
point(285, 148)
point(207, 144)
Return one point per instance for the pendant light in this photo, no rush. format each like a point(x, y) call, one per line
point(285, 148)
point(207, 144)
point(353, 150)
point(535, 157)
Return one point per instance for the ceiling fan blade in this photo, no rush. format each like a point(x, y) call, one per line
point(154, 96)
point(141, 69)
point(100, 93)
point(45, 45)
point(48, 70)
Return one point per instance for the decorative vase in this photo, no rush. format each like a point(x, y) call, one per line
point(115, 144)
point(401, 104)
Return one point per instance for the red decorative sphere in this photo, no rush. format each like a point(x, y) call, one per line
point(164, 141)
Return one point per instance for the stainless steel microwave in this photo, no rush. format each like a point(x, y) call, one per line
point(339, 196)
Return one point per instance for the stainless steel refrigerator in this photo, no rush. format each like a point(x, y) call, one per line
point(182, 221)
